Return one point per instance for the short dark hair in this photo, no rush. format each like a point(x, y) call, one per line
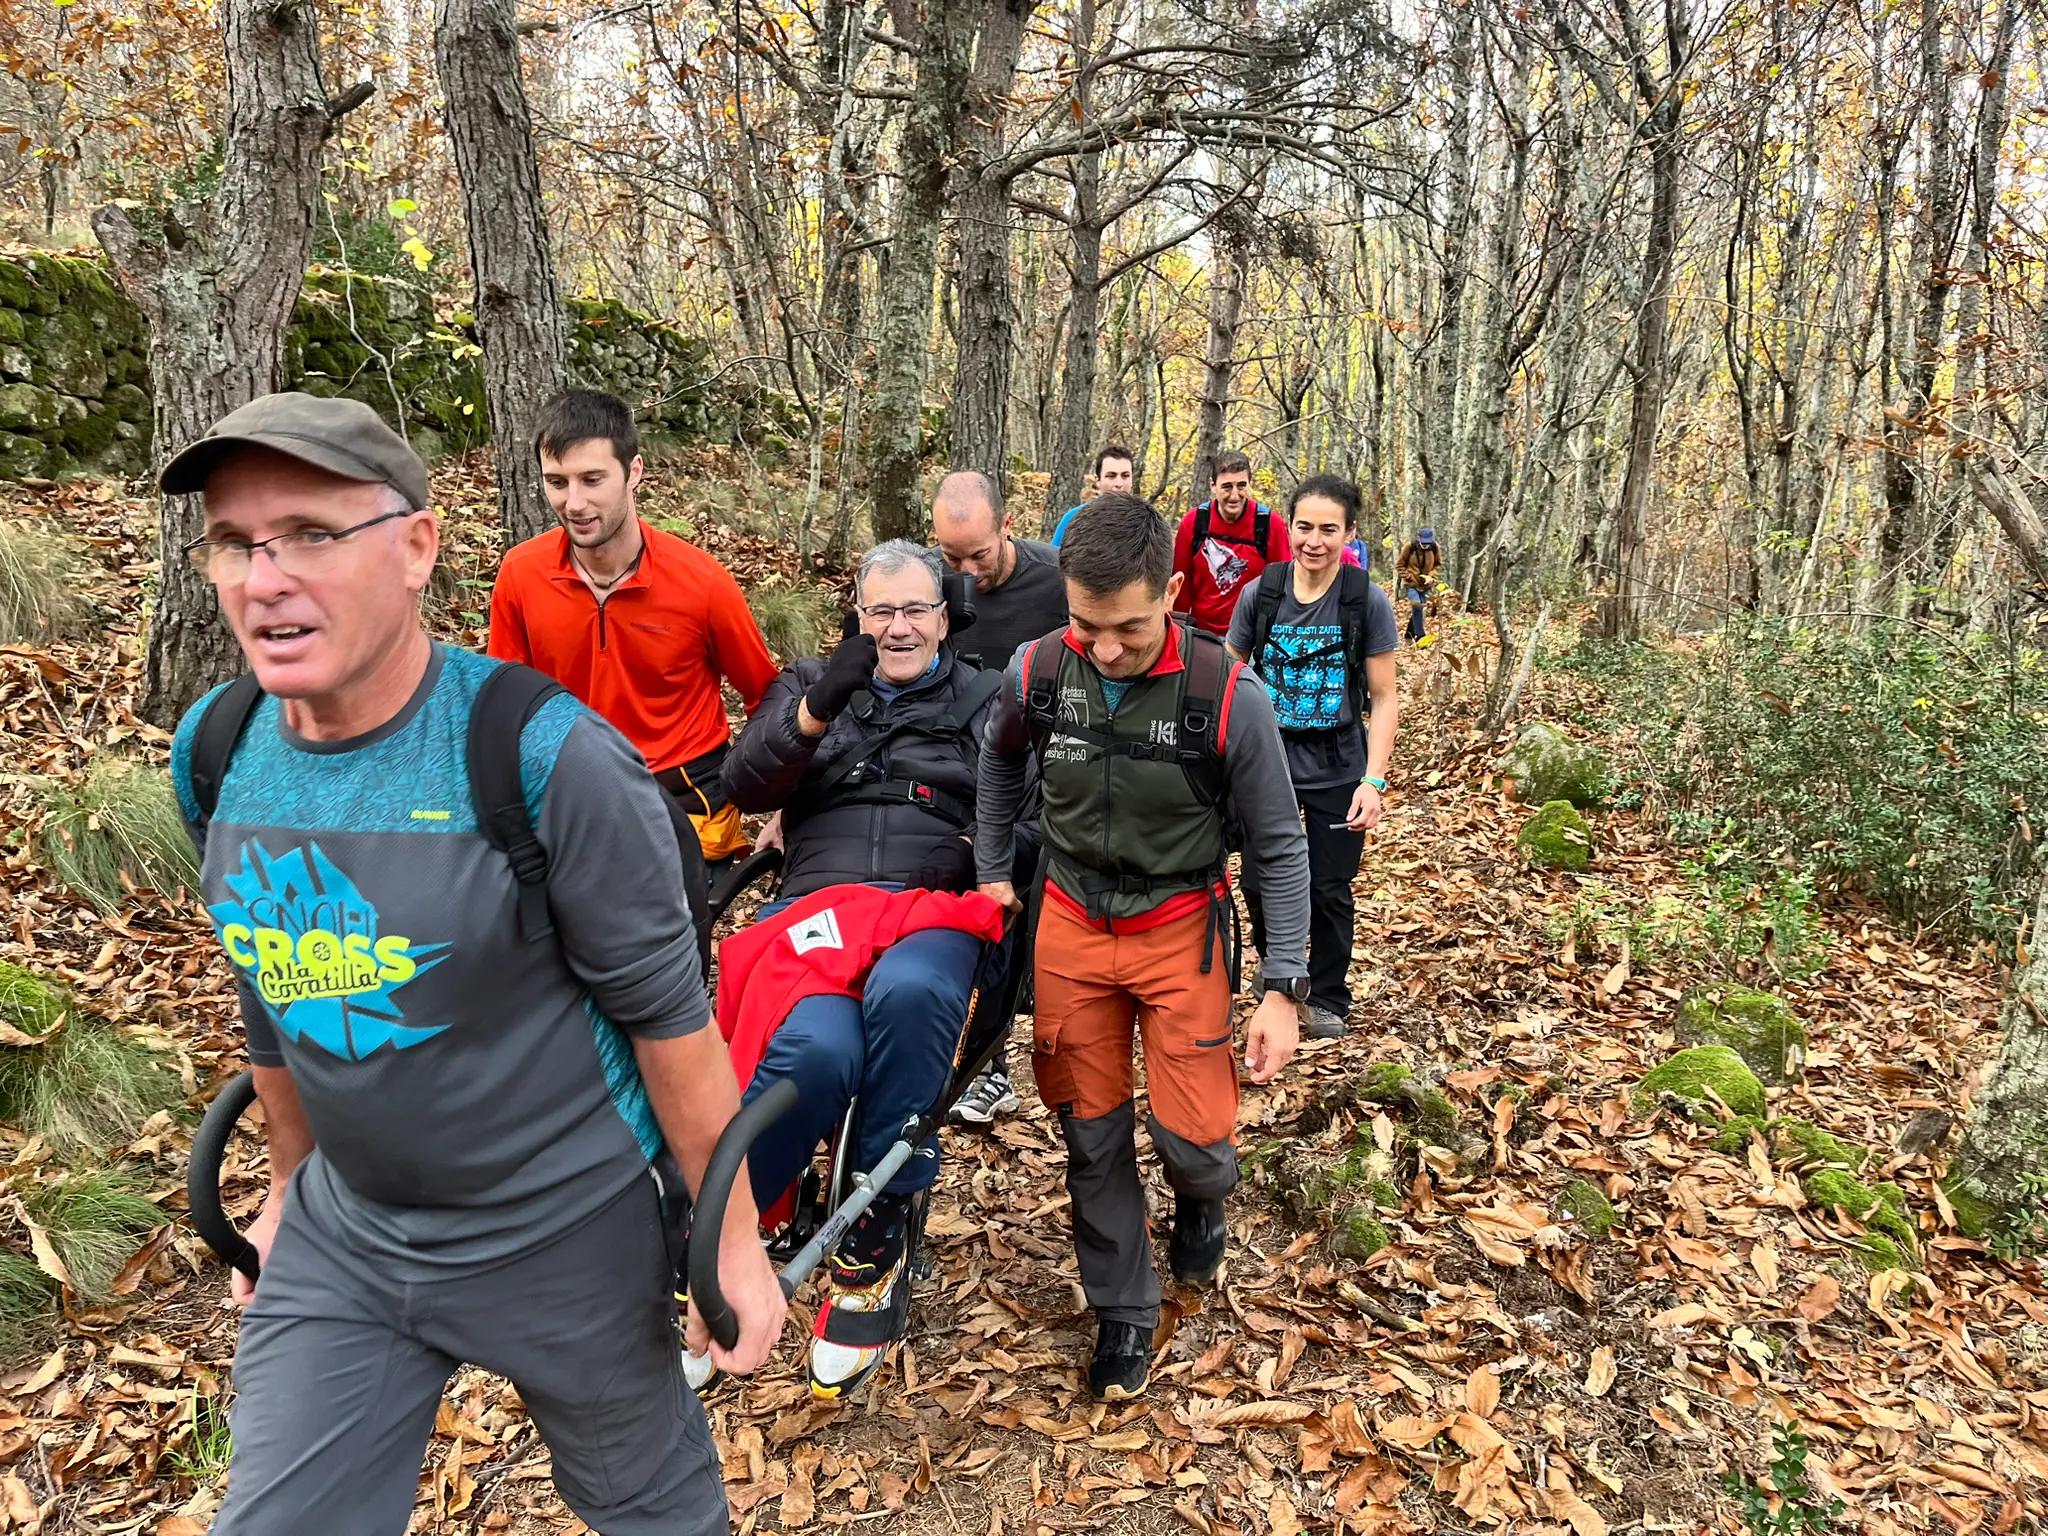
point(1114, 451)
point(1231, 461)
point(1115, 540)
point(1331, 488)
point(580, 415)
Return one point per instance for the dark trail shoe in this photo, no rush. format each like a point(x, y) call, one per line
point(1199, 1232)
point(1122, 1363)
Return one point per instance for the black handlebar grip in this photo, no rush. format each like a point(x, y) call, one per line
point(202, 1175)
point(707, 1221)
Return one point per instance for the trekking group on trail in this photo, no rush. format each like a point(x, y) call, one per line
point(467, 902)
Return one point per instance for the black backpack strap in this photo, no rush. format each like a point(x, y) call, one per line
point(509, 698)
point(1354, 613)
point(215, 737)
point(1205, 672)
point(955, 721)
point(1262, 528)
point(1042, 685)
point(1201, 528)
point(1266, 608)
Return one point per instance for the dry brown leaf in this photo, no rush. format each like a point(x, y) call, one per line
point(1413, 1432)
point(179, 1525)
point(45, 1254)
point(1600, 1371)
point(18, 1503)
point(1349, 1428)
point(1482, 1391)
point(1566, 1504)
point(1821, 1298)
point(1276, 1410)
point(1290, 1351)
point(1763, 1258)
point(1281, 1519)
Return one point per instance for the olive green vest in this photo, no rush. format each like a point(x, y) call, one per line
point(1126, 829)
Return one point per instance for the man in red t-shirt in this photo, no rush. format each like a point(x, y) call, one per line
point(1223, 544)
point(637, 623)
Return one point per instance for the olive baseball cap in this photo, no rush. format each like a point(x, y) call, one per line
point(343, 437)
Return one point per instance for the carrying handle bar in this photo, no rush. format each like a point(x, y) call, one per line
point(202, 1175)
point(707, 1221)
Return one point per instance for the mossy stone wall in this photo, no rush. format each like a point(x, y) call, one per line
point(74, 369)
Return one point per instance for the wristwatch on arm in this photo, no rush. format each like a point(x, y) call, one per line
point(1295, 987)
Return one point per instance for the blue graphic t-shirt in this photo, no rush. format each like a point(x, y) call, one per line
point(472, 1095)
point(1305, 669)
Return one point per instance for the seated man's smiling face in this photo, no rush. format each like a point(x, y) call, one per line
point(906, 640)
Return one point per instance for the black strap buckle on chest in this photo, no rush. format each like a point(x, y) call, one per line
point(908, 792)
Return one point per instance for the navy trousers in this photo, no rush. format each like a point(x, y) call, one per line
point(893, 1046)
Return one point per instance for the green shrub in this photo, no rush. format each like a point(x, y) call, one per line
point(788, 617)
point(121, 819)
point(1896, 763)
point(89, 1087)
point(41, 576)
point(26, 1293)
point(95, 1222)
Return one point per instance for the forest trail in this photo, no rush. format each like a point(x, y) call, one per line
point(1494, 1365)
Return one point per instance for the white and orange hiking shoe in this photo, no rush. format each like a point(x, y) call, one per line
point(867, 1304)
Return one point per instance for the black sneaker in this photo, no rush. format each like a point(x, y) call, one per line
point(1122, 1363)
point(1323, 1024)
point(1199, 1232)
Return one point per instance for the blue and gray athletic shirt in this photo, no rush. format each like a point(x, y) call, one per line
point(472, 1096)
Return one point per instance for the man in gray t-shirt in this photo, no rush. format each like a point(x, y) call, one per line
point(1322, 636)
point(462, 1111)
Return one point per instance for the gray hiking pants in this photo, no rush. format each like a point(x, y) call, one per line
point(340, 1369)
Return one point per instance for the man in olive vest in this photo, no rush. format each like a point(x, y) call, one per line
point(1149, 740)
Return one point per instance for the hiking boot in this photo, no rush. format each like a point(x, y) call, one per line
point(1122, 1363)
point(986, 1097)
point(867, 1304)
point(1199, 1232)
point(1324, 1024)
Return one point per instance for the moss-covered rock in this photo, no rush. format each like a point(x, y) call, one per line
point(12, 328)
point(1557, 837)
point(1807, 1145)
point(29, 410)
point(1734, 1137)
point(1879, 1253)
point(1384, 1194)
point(1383, 1082)
point(1696, 1078)
point(1586, 1203)
point(28, 1003)
point(1757, 1026)
point(1881, 1208)
point(1548, 765)
point(1436, 1120)
point(1360, 1234)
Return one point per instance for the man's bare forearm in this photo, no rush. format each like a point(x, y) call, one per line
point(286, 1129)
point(690, 1084)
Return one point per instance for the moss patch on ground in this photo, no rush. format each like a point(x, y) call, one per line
point(1557, 837)
point(1804, 1143)
point(1879, 1207)
point(1734, 1137)
point(28, 1003)
point(1757, 1026)
point(1360, 1234)
point(1585, 1202)
point(1699, 1076)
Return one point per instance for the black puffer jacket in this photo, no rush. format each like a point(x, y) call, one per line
point(777, 767)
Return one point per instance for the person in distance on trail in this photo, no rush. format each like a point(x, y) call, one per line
point(1416, 569)
point(462, 1111)
point(1223, 544)
point(1018, 596)
point(869, 759)
point(1149, 740)
point(1321, 633)
point(637, 623)
point(1116, 472)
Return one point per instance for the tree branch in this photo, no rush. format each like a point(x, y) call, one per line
point(340, 106)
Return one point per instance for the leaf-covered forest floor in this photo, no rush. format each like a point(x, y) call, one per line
point(1495, 1366)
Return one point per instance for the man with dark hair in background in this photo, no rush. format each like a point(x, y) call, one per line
point(1224, 544)
point(1149, 740)
point(637, 623)
point(1116, 473)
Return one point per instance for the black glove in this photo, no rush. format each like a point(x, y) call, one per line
point(948, 867)
point(849, 670)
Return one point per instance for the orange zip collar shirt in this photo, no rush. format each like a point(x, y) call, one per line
point(650, 656)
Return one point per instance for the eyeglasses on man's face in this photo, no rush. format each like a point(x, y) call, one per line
point(302, 553)
point(885, 614)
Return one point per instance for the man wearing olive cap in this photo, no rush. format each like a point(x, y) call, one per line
point(461, 1114)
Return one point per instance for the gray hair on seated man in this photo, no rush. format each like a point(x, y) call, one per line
point(893, 556)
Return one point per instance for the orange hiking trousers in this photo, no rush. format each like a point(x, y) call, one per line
point(1094, 990)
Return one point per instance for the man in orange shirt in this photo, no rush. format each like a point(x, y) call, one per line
point(637, 623)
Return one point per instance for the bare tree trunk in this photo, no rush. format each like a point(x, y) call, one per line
point(217, 279)
point(903, 352)
point(1229, 272)
point(981, 371)
point(2007, 1134)
point(518, 307)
